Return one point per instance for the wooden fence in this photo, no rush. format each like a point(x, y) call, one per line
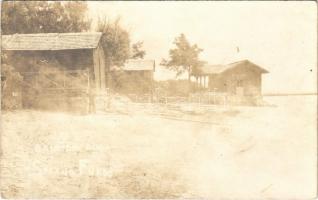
point(68, 89)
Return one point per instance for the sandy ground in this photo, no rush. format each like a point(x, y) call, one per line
point(263, 152)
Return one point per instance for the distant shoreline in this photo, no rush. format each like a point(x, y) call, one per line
point(289, 94)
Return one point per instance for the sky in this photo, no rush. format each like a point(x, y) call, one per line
point(278, 36)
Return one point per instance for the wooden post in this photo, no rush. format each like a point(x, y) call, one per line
point(202, 83)
point(209, 98)
point(152, 87)
point(63, 78)
point(189, 80)
point(196, 83)
point(207, 82)
point(91, 93)
point(102, 66)
point(96, 68)
point(88, 92)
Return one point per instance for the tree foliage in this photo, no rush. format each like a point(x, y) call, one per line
point(115, 41)
point(43, 17)
point(24, 17)
point(131, 83)
point(137, 51)
point(173, 88)
point(58, 17)
point(184, 57)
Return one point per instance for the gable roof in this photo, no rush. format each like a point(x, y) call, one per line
point(50, 41)
point(218, 69)
point(137, 65)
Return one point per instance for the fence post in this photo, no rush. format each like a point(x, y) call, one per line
point(36, 80)
point(88, 93)
point(64, 79)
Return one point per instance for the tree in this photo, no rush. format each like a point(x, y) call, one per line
point(25, 17)
point(115, 41)
point(43, 17)
point(137, 51)
point(183, 58)
point(116, 45)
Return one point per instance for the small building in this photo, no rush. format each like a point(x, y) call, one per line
point(134, 77)
point(242, 78)
point(82, 53)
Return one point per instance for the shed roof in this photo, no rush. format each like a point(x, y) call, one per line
point(50, 41)
point(137, 65)
point(218, 69)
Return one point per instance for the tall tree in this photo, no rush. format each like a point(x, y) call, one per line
point(137, 51)
point(43, 17)
point(184, 57)
point(115, 41)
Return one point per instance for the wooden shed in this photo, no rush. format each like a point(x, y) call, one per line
point(84, 47)
point(238, 78)
point(137, 76)
point(238, 83)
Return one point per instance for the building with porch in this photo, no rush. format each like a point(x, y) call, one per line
point(242, 79)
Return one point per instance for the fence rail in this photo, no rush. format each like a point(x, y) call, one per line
point(56, 88)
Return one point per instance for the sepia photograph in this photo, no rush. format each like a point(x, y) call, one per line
point(158, 100)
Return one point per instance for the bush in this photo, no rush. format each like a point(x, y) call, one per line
point(131, 83)
point(174, 87)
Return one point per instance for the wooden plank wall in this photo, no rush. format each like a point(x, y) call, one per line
point(99, 69)
point(102, 68)
point(96, 69)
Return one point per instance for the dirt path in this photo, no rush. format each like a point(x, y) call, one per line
point(143, 156)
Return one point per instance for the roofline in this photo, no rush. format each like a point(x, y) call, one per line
point(136, 60)
point(12, 36)
point(117, 68)
point(263, 71)
point(68, 33)
point(47, 49)
point(246, 61)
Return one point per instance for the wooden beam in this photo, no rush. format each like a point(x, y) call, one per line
point(96, 69)
point(102, 68)
point(196, 83)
